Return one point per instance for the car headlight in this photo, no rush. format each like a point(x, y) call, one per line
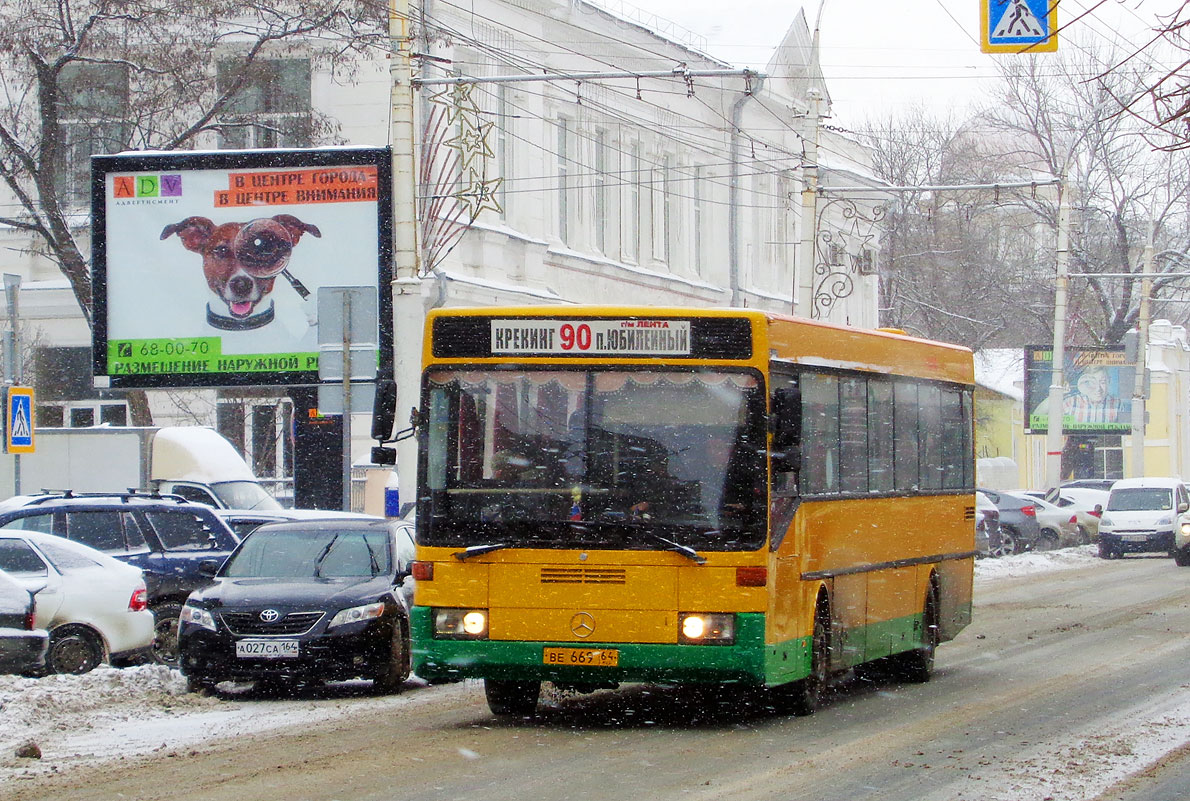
point(198, 616)
point(1166, 521)
point(1105, 521)
point(1186, 527)
point(699, 628)
point(461, 624)
point(357, 614)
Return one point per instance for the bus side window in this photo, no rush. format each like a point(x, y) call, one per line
point(787, 435)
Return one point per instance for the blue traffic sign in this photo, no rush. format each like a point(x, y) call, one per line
point(18, 420)
point(1018, 26)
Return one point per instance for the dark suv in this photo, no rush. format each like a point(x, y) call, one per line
point(166, 536)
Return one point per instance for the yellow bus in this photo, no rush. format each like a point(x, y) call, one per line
point(704, 496)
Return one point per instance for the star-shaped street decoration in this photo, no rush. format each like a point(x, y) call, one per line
point(479, 194)
point(471, 141)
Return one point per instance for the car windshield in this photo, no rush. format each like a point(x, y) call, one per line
point(594, 458)
point(244, 495)
point(1136, 499)
point(311, 553)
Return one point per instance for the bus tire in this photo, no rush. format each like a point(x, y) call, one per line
point(515, 698)
point(805, 695)
point(917, 666)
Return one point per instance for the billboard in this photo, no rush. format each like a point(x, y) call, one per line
point(206, 266)
point(1097, 394)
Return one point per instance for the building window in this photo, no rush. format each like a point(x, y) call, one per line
point(93, 113)
point(260, 429)
point(504, 143)
point(658, 218)
point(564, 199)
point(635, 188)
point(271, 109)
point(601, 191)
point(696, 240)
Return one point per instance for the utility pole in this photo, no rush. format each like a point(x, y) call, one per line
point(1142, 343)
point(803, 284)
point(1053, 436)
point(12, 357)
point(406, 285)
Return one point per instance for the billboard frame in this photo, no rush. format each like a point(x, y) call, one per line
point(1119, 374)
point(232, 160)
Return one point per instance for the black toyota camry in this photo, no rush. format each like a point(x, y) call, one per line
point(311, 600)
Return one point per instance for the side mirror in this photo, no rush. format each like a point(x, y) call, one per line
point(209, 568)
point(384, 410)
point(1183, 506)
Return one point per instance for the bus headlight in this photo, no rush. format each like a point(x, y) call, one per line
point(461, 624)
point(699, 628)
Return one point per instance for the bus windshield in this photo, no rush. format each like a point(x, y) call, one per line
point(595, 458)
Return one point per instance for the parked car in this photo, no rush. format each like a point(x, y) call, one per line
point(165, 536)
point(93, 606)
point(307, 600)
point(22, 645)
point(1059, 527)
point(987, 525)
point(1019, 529)
point(1141, 516)
point(1102, 484)
point(1086, 503)
point(244, 521)
point(1181, 541)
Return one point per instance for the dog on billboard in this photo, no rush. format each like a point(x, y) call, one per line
point(241, 262)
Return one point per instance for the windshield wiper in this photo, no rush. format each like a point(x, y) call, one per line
point(670, 545)
point(321, 556)
point(479, 550)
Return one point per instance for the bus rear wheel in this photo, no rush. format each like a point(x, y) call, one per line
point(917, 666)
point(516, 698)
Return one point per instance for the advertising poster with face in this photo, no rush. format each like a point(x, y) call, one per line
point(207, 266)
point(1097, 390)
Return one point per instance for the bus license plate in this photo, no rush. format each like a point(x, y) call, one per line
point(267, 649)
point(584, 657)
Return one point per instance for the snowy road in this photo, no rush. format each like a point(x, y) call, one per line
point(1071, 685)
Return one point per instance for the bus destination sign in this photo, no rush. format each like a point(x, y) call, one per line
point(597, 337)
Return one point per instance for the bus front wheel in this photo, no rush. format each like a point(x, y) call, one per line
point(805, 696)
point(517, 698)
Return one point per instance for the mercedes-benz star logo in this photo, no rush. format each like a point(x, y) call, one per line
point(582, 625)
point(270, 616)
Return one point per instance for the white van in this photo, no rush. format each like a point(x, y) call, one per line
point(1140, 516)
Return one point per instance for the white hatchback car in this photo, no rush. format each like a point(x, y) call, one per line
point(93, 606)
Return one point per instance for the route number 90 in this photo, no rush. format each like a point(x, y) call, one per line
point(575, 337)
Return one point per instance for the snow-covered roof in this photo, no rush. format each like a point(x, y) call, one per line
point(1001, 370)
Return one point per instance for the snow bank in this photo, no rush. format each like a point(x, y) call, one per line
point(1025, 564)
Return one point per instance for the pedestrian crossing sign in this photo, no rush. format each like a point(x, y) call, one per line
point(1018, 26)
point(18, 420)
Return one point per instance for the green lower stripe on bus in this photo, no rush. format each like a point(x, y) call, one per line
point(742, 662)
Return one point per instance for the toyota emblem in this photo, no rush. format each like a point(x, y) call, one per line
point(270, 616)
point(582, 625)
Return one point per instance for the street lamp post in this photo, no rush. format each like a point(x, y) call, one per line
point(1053, 436)
point(1142, 343)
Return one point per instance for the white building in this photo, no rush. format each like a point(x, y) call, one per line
point(685, 189)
